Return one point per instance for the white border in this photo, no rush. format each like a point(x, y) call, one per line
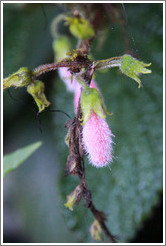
point(1, 123)
point(2, 2)
point(83, 1)
point(164, 121)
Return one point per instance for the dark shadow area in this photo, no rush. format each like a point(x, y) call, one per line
point(152, 229)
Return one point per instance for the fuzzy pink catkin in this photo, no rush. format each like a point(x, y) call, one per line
point(97, 137)
point(97, 141)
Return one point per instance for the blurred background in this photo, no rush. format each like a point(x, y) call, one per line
point(130, 191)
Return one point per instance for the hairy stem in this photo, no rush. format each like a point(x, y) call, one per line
point(76, 149)
point(54, 66)
point(107, 63)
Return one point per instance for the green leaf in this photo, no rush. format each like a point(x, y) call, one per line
point(16, 158)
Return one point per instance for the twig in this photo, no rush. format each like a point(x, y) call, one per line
point(76, 151)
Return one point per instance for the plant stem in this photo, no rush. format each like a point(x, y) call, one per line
point(107, 63)
point(76, 149)
point(54, 66)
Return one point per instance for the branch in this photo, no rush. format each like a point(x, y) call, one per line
point(75, 166)
point(76, 61)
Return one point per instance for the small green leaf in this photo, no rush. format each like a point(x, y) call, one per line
point(16, 158)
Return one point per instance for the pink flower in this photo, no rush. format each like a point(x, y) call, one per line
point(97, 141)
point(71, 83)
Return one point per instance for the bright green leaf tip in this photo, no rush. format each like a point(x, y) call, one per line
point(70, 205)
point(70, 201)
point(16, 158)
point(133, 67)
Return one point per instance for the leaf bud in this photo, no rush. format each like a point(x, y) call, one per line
point(133, 67)
point(36, 90)
point(95, 231)
point(74, 198)
point(80, 28)
point(18, 79)
point(72, 165)
point(91, 100)
point(61, 46)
